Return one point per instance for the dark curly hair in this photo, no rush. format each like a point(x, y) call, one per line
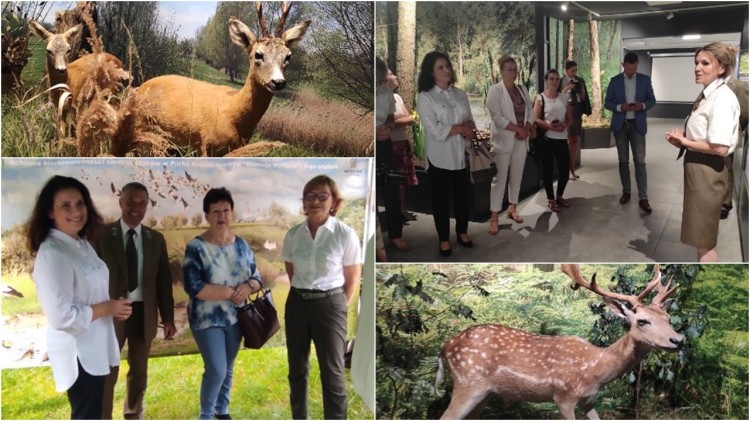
point(216, 195)
point(39, 223)
point(426, 80)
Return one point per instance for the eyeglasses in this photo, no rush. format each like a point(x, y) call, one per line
point(320, 196)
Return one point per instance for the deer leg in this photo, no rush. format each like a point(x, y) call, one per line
point(464, 401)
point(567, 408)
point(474, 414)
point(588, 407)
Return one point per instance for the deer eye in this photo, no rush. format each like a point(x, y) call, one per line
point(643, 322)
point(287, 58)
point(259, 55)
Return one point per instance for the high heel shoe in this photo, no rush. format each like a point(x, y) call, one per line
point(466, 243)
point(562, 202)
point(494, 227)
point(552, 205)
point(445, 253)
point(513, 214)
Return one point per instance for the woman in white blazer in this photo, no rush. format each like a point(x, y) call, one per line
point(72, 284)
point(512, 118)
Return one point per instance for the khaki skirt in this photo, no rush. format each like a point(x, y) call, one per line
point(706, 183)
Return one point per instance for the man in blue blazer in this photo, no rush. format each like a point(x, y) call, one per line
point(629, 96)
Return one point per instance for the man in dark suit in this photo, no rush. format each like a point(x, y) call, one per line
point(139, 270)
point(629, 96)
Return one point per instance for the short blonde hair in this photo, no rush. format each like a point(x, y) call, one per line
point(724, 54)
point(324, 180)
point(505, 59)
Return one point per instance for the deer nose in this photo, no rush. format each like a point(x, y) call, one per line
point(278, 84)
point(677, 341)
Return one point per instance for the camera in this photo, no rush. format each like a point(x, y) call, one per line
point(575, 93)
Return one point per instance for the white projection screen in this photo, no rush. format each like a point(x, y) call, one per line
point(673, 78)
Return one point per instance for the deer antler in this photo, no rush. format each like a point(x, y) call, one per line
point(285, 6)
point(662, 291)
point(575, 274)
point(262, 22)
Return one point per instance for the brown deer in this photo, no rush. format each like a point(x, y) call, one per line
point(215, 119)
point(516, 365)
point(76, 73)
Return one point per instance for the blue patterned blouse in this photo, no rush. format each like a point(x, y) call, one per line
point(207, 263)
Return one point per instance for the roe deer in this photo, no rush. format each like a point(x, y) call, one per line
point(76, 73)
point(215, 119)
point(494, 359)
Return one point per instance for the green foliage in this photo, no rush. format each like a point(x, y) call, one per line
point(156, 47)
point(260, 389)
point(420, 307)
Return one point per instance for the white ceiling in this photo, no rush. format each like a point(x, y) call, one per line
point(661, 43)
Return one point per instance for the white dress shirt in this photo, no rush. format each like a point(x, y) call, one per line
point(629, 95)
point(69, 278)
point(136, 294)
point(717, 118)
point(438, 111)
point(319, 263)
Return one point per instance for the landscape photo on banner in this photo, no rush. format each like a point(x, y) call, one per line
point(267, 196)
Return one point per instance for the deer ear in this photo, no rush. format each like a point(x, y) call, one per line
point(72, 31)
point(39, 30)
point(241, 34)
point(293, 36)
point(618, 308)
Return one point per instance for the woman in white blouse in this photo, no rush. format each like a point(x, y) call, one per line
point(510, 108)
point(710, 135)
point(323, 259)
point(554, 115)
point(448, 125)
point(72, 284)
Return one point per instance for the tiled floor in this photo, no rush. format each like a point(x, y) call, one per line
point(596, 228)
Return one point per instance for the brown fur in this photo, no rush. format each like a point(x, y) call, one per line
point(216, 119)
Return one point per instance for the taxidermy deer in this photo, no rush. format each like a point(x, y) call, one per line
point(215, 119)
point(76, 73)
point(494, 359)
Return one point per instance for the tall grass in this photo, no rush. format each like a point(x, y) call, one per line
point(328, 127)
point(260, 390)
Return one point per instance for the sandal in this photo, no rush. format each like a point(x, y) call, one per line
point(513, 214)
point(562, 202)
point(552, 205)
point(494, 227)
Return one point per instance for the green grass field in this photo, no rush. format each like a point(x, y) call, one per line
point(260, 390)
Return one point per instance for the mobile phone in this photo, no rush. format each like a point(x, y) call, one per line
point(555, 121)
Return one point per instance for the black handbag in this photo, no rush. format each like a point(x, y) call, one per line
point(538, 145)
point(258, 320)
point(479, 159)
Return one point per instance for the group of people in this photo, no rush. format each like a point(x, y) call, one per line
point(710, 135)
point(102, 285)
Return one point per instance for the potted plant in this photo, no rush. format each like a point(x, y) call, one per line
point(596, 133)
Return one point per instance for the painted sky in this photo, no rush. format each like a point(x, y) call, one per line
point(178, 185)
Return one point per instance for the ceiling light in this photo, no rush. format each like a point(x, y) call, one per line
point(690, 37)
point(670, 16)
point(564, 6)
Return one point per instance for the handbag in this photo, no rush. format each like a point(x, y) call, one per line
point(258, 320)
point(479, 159)
point(538, 145)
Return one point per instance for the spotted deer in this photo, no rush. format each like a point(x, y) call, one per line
point(216, 119)
point(516, 365)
